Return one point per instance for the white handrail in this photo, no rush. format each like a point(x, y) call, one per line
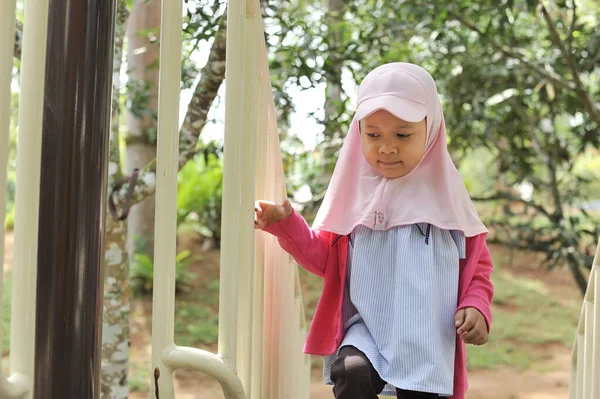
point(585, 356)
point(17, 386)
point(163, 306)
point(206, 362)
point(29, 158)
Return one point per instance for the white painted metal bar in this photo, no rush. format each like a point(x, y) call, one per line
point(286, 366)
point(206, 362)
point(7, 39)
point(232, 180)
point(588, 348)
point(585, 356)
point(245, 165)
point(29, 149)
point(595, 392)
point(259, 332)
point(573, 372)
point(167, 166)
point(16, 386)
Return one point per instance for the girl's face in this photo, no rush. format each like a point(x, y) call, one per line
point(392, 146)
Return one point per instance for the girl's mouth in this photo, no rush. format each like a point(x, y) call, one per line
point(388, 164)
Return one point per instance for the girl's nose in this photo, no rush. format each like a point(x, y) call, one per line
point(388, 149)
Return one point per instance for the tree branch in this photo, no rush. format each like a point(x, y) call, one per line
point(573, 23)
point(579, 88)
point(510, 197)
point(18, 39)
point(205, 93)
point(195, 119)
point(114, 151)
point(510, 53)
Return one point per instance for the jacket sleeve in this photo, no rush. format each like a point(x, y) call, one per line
point(310, 248)
point(480, 291)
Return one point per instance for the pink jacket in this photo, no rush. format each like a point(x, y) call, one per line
point(325, 254)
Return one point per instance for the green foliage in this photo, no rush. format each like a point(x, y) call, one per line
point(519, 82)
point(142, 271)
point(200, 192)
point(138, 98)
point(475, 168)
point(12, 165)
point(195, 323)
point(138, 376)
point(197, 314)
point(200, 23)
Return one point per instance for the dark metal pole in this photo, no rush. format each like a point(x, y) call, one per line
point(73, 196)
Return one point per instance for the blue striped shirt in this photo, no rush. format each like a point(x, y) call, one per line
point(399, 302)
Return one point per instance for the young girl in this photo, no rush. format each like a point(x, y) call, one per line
point(400, 247)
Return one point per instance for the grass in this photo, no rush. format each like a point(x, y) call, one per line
point(527, 320)
point(197, 316)
point(138, 376)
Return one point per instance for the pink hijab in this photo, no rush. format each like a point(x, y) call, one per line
point(432, 193)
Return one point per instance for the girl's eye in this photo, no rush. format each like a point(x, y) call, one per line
point(372, 135)
point(403, 136)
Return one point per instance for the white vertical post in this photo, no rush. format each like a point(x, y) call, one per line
point(17, 385)
point(588, 377)
point(259, 336)
point(231, 222)
point(573, 371)
point(167, 166)
point(246, 188)
point(594, 292)
point(596, 335)
point(7, 40)
point(580, 356)
point(29, 149)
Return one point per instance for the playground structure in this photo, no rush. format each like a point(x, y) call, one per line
point(585, 358)
point(66, 71)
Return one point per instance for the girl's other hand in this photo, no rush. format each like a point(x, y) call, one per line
point(471, 326)
point(267, 213)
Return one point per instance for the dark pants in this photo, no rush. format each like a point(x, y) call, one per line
point(355, 378)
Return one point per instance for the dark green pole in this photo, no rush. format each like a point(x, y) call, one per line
point(73, 195)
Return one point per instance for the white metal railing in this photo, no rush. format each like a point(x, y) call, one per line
point(585, 357)
point(33, 61)
point(261, 320)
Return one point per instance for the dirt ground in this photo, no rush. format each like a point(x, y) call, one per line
point(502, 383)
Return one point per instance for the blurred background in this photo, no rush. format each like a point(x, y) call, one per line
point(520, 86)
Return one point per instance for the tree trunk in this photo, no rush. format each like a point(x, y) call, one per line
point(117, 309)
point(142, 58)
point(115, 323)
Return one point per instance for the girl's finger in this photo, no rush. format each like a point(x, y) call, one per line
point(470, 321)
point(471, 336)
point(466, 326)
point(459, 318)
point(287, 207)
